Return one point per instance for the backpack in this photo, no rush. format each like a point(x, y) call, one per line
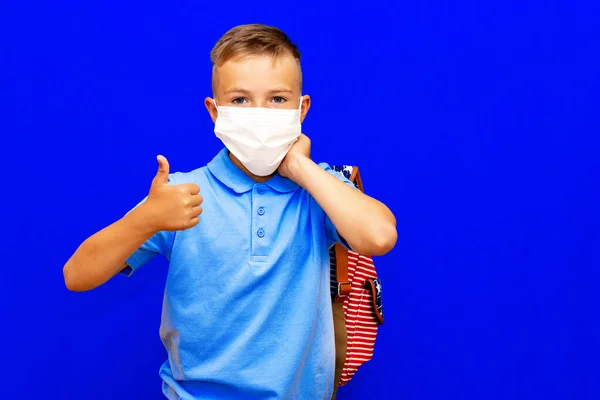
point(355, 287)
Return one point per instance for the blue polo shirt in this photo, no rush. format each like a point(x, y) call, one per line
point(247, 307)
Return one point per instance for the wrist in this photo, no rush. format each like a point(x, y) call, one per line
point(144, 220)
point(297, 167)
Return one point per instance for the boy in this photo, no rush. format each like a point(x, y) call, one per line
point(247, 312)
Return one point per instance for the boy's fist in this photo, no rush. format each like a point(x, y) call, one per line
point(172, 207)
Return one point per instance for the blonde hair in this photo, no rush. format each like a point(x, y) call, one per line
point(252, 40)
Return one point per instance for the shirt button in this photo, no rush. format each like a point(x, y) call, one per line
point(261, 232)
point(261, 211)
point(260, 190)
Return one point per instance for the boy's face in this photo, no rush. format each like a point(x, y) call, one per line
point(258, 81)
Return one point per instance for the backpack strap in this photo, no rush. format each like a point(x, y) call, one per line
point(356, 179)
point(344, 287)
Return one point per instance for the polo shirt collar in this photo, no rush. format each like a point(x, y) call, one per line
point(231, 176)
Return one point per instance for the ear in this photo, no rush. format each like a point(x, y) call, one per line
point(304, 107)
point(212, 110)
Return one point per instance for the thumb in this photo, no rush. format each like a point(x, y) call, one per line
point(162, 175)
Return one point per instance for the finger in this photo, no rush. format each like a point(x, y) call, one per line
point(190, 188)
point(196, 211)
point(196, 200)
point(162, 175)
point(194, 222)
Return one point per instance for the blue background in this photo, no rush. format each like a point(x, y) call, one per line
point(476, 122)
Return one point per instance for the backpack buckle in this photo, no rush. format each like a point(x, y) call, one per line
point(343, 290)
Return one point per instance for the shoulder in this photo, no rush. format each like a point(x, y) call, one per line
point(196, 176)
point(342, 172)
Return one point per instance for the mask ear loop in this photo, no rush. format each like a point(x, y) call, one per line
point(300, 106)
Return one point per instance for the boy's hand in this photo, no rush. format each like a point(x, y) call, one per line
point(172, 208)
point(298, 150)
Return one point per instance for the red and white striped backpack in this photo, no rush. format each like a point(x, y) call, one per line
point(355, 283)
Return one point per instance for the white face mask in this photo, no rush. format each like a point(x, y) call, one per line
point(259, 137)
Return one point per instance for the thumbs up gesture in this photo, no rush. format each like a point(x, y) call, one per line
point(172, 207)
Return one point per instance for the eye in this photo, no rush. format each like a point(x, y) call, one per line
point(279, 100)
point(239, 100)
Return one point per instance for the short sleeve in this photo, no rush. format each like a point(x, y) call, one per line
point(333, 235)
point(159, 244)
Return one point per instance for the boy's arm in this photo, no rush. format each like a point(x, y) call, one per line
point(138, 236)
point(104, 254)
point(366, 224)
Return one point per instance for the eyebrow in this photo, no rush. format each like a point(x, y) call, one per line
point(240, 90)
